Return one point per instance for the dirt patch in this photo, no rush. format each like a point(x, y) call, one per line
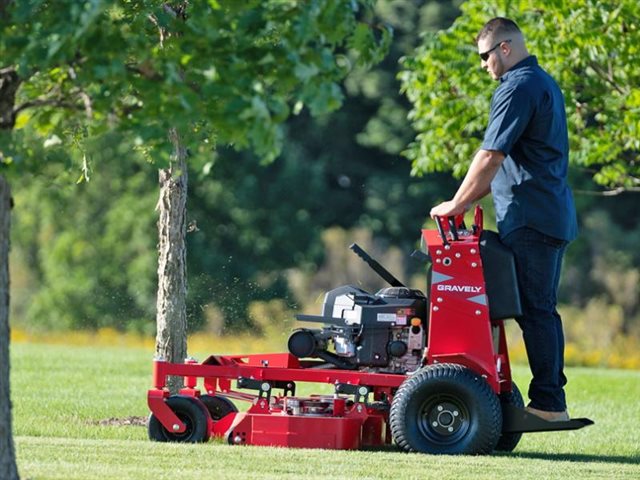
point(120, 422)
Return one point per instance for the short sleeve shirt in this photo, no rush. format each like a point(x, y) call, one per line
point(527, 122)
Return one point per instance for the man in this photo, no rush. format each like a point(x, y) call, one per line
point(523, 163)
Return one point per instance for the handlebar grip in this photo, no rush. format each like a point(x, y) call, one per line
point(478, 218)
point(443, 236)
point(452, 228)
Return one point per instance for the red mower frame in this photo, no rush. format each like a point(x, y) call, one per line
point(465, 379)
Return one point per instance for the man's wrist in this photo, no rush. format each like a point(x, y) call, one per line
point(461, 205)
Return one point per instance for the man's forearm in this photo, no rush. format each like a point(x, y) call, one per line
point(477, 182)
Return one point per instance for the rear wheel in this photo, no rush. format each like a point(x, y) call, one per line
point(446, 409)
point(509, 441)
point(191, 412)
point(218, 406)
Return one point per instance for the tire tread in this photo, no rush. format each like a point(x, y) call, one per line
point(457, 374)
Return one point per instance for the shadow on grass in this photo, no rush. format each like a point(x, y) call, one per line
point(554, 457)
point(575, 457)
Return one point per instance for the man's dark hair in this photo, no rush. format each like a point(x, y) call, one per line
point(497, 27)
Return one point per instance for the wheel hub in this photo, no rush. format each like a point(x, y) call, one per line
point(444, 418)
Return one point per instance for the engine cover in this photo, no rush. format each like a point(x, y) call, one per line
point(382, 330)
point(390, 306)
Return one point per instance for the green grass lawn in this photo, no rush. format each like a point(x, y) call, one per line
point(63, 397)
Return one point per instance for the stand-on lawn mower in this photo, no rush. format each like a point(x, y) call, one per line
point(430, 372)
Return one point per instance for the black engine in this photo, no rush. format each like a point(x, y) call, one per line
point(385, 331)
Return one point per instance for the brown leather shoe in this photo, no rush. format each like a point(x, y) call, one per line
point(549, 416)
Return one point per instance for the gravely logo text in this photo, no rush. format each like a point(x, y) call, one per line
point(459, 288)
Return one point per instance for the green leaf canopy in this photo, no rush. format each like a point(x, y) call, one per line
point(592, 49)
point(222, 72)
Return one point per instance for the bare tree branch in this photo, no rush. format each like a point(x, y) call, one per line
point(86, 99)
point(161, 31)
point(7, 70)
point(43, 102)
point(607, 77)
point(608, 193)
point(53, 98)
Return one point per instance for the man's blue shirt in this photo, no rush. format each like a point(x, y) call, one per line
point(527, 123)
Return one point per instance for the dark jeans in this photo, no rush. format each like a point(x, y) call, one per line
point(538, 259)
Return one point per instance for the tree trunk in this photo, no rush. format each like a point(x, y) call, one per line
point(9, 83)
point(171, 315)
point(8, 468)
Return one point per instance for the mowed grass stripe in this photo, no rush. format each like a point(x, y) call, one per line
point(41, 458)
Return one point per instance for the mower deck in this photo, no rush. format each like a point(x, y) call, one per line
point(353, 417)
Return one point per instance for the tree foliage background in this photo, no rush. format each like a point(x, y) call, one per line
point(591, 48)
point(248, 221)
point(225, 75)
point(592, 51)
point(84, 254)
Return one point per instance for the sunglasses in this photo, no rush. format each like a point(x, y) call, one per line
point(485, 55)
